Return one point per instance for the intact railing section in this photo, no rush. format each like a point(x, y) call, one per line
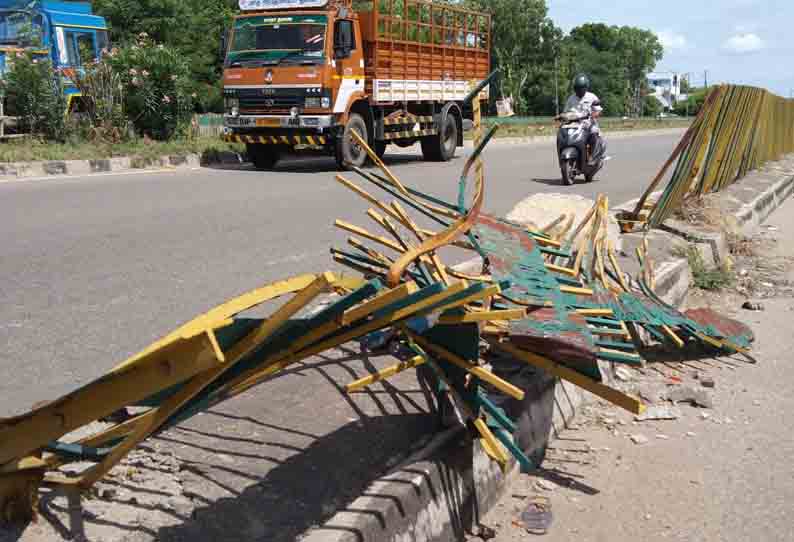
point(208, 125)
point(738, 129)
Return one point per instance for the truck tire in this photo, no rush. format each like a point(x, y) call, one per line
point(442, 146)
point(348, 153)
point(264, 157)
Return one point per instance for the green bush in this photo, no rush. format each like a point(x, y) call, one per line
point(35, 94)
point(159, 94)
point(103, 96)
point(652, 107)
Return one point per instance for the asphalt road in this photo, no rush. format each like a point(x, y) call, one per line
point(95, 268)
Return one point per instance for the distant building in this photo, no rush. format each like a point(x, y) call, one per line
point(666, 87)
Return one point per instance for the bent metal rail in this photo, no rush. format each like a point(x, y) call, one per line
point(559, 303)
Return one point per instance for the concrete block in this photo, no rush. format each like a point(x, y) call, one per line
point(120, 163)
point(8, 170)
point(102, 165)
point(54, 167)
point(539, 210)
point(78, 167)
point(30, 169)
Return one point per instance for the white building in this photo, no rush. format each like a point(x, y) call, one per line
point(666, 87)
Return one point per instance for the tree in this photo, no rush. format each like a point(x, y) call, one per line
point(617, 59)
point(192, 27)
point(524, 44)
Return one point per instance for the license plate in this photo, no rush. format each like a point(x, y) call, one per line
point(268, 122)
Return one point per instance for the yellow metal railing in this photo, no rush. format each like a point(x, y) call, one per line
point(738, 129)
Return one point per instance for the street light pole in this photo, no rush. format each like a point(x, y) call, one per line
point(556, 85)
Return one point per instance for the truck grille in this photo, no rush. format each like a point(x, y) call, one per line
point(252, 101)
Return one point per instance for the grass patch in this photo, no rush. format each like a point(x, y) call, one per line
point(546, 126)
point(32, 150)
point(704, 277)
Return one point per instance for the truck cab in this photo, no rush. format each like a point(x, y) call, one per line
point(67, 33)
point(301, 75)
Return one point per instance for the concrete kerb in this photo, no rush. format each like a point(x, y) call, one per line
point(440, 498)
point(55, 168)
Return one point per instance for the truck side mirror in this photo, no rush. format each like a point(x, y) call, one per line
point(343, 39)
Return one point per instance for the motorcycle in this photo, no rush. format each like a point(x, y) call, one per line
point(573, 149)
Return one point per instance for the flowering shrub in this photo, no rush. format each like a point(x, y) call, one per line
point(35, 94)
point(158, 90)
point(103, 95)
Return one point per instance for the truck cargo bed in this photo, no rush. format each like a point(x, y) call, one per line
point(417, 50)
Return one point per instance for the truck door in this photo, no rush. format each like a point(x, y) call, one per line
point(349, 62)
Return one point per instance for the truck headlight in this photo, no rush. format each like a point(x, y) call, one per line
point(232, 106)
point(317, 102)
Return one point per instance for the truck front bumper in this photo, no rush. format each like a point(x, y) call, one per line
point(292, 140)
point(250, 122)
point(301, 130)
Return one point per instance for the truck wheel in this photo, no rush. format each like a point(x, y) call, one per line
point(348, 152)
point(264, 157)
point(442, 146)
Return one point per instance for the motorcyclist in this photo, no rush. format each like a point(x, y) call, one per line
point(588, 105)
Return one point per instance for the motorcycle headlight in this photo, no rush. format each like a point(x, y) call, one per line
point(232, 106)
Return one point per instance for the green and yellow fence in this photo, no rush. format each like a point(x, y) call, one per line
point(738, 129)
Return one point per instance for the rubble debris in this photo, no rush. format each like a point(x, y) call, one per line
point(537, 516)
point(625, 374)
point(483, 532)
point(545, 485)
point(639, 439)
point(707, 382)
point(652, 393)
point(659, 412)
point(688, 394)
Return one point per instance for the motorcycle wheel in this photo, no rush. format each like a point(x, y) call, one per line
point(567, 171)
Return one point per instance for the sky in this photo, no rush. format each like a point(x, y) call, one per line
point(747, 42)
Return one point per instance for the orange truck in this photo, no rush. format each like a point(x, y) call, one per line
point(301, 75)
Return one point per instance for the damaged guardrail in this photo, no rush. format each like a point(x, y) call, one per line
point(558, 302)
point(737, 130)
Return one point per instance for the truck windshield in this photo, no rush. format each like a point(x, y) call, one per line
point(271, 40)
point(19, 28)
